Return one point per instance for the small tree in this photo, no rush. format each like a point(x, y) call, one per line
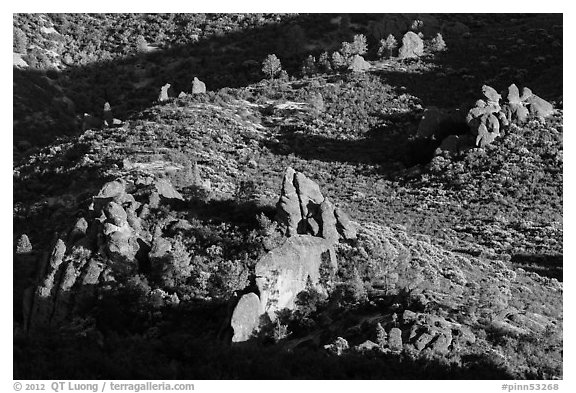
point(359, 45)
point(309, 66)
point(338, 61)
point(324, 63)
point(381, 336)
point(387, 46)
point(271, 66)
point(437, 44)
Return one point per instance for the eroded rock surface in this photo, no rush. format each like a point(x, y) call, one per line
point(100, 247)
point(299, 209)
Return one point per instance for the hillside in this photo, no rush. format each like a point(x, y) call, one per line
point(301, 226)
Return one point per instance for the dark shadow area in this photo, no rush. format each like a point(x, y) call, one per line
point(131, 84)
point(498, 53)
point(550, 266)
point(128, 350)
point(381, 146)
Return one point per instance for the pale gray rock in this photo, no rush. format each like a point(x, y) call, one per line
point(344, 225)
point(442, 342)
point(164, 92)
point(329, 231)
point(246, 317)
point(283, 273)
point(395, 339)
point(358, 64)
point(115, 214)
point(288, 207)
point(412, 46)
point(422, 341)
point(166, 190)
point(539, 107)
point(198, 87)
point(367, 346)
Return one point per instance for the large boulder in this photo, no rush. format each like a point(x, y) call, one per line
point(412, 46)
point(358, 64)
point(198, 87)
point(284, 272)
point(246, 317)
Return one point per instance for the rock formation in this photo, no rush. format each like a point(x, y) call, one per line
point(198, 87)
point(488, 117)
point(358, 64)
point(412, 46)
point(299, 209)
point(100, 247)
point(313, 227)
point(164, 93)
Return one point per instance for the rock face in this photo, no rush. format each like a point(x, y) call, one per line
point(299, 209)
point(313, 227)
point(358, 64)
point(198, 87)
point(285, 271)
point(412, 46)
point(164, 93)
point(100, 247)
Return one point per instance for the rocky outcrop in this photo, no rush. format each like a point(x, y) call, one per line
point(313, 228)
point(520, 106)
point(285, 271)
point(485, 121)
point(412, 46)
point(300, 210)
point(164, 92)
point(198, 87)
point(103, 246)
point(488, 117)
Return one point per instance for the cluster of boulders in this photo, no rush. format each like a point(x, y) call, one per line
point(312, 226)
point(105, 244)
point(166, 91)
point(411, 331)
point(485, 121)
point(302, 209)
